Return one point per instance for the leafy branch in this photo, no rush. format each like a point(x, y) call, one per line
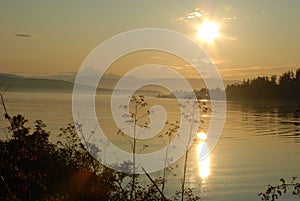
point(273, 193)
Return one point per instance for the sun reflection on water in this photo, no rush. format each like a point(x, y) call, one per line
point(202, 136)
point(203, 156)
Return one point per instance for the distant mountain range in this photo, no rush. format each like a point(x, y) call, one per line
point(64, 83)
point(51, 85)
point(27, 84)
point(109, 80)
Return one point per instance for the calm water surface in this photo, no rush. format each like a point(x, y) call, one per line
point(258, 145)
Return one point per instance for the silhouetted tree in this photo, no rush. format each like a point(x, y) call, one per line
point(267, 89)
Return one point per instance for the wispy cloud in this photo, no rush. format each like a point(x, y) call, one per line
point(220, 60)
point(196, 14)
point(211, 60)
point(156, 57)
point(23, 35)
point(176, 67)
point(19, 34)
point(263, 67)
point(229, 37)
point(254, 71)
point(230, 18)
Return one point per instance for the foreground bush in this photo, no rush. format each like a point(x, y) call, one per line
point(33, 168)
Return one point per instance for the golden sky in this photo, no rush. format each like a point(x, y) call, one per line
point(259, 37)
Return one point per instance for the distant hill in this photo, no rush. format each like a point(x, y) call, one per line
point(64, 84)
point(108, 81)
point(24, 84)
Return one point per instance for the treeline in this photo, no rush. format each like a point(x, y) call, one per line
point(283, 88)
point(200, 94)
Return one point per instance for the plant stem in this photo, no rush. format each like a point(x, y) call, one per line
point(165, 165)
point(153, 182)
point(6, 113)
point(132, 193)
point(187, 154)
point(6, 186)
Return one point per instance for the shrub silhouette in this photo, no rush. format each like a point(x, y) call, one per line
point(34, 168)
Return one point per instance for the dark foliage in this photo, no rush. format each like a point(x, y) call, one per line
point(273, 193)
point(32, 168)
point(284, 88)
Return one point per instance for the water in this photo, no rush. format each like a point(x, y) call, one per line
point(258, 145)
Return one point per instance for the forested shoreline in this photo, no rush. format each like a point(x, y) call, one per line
point(283, 88)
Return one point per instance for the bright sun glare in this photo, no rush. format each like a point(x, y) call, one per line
point(202, 136)
point(208, 31)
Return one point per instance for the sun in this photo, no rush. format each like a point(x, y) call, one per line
point(208, 31)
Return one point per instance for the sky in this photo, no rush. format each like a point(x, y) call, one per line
point(43, 38)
